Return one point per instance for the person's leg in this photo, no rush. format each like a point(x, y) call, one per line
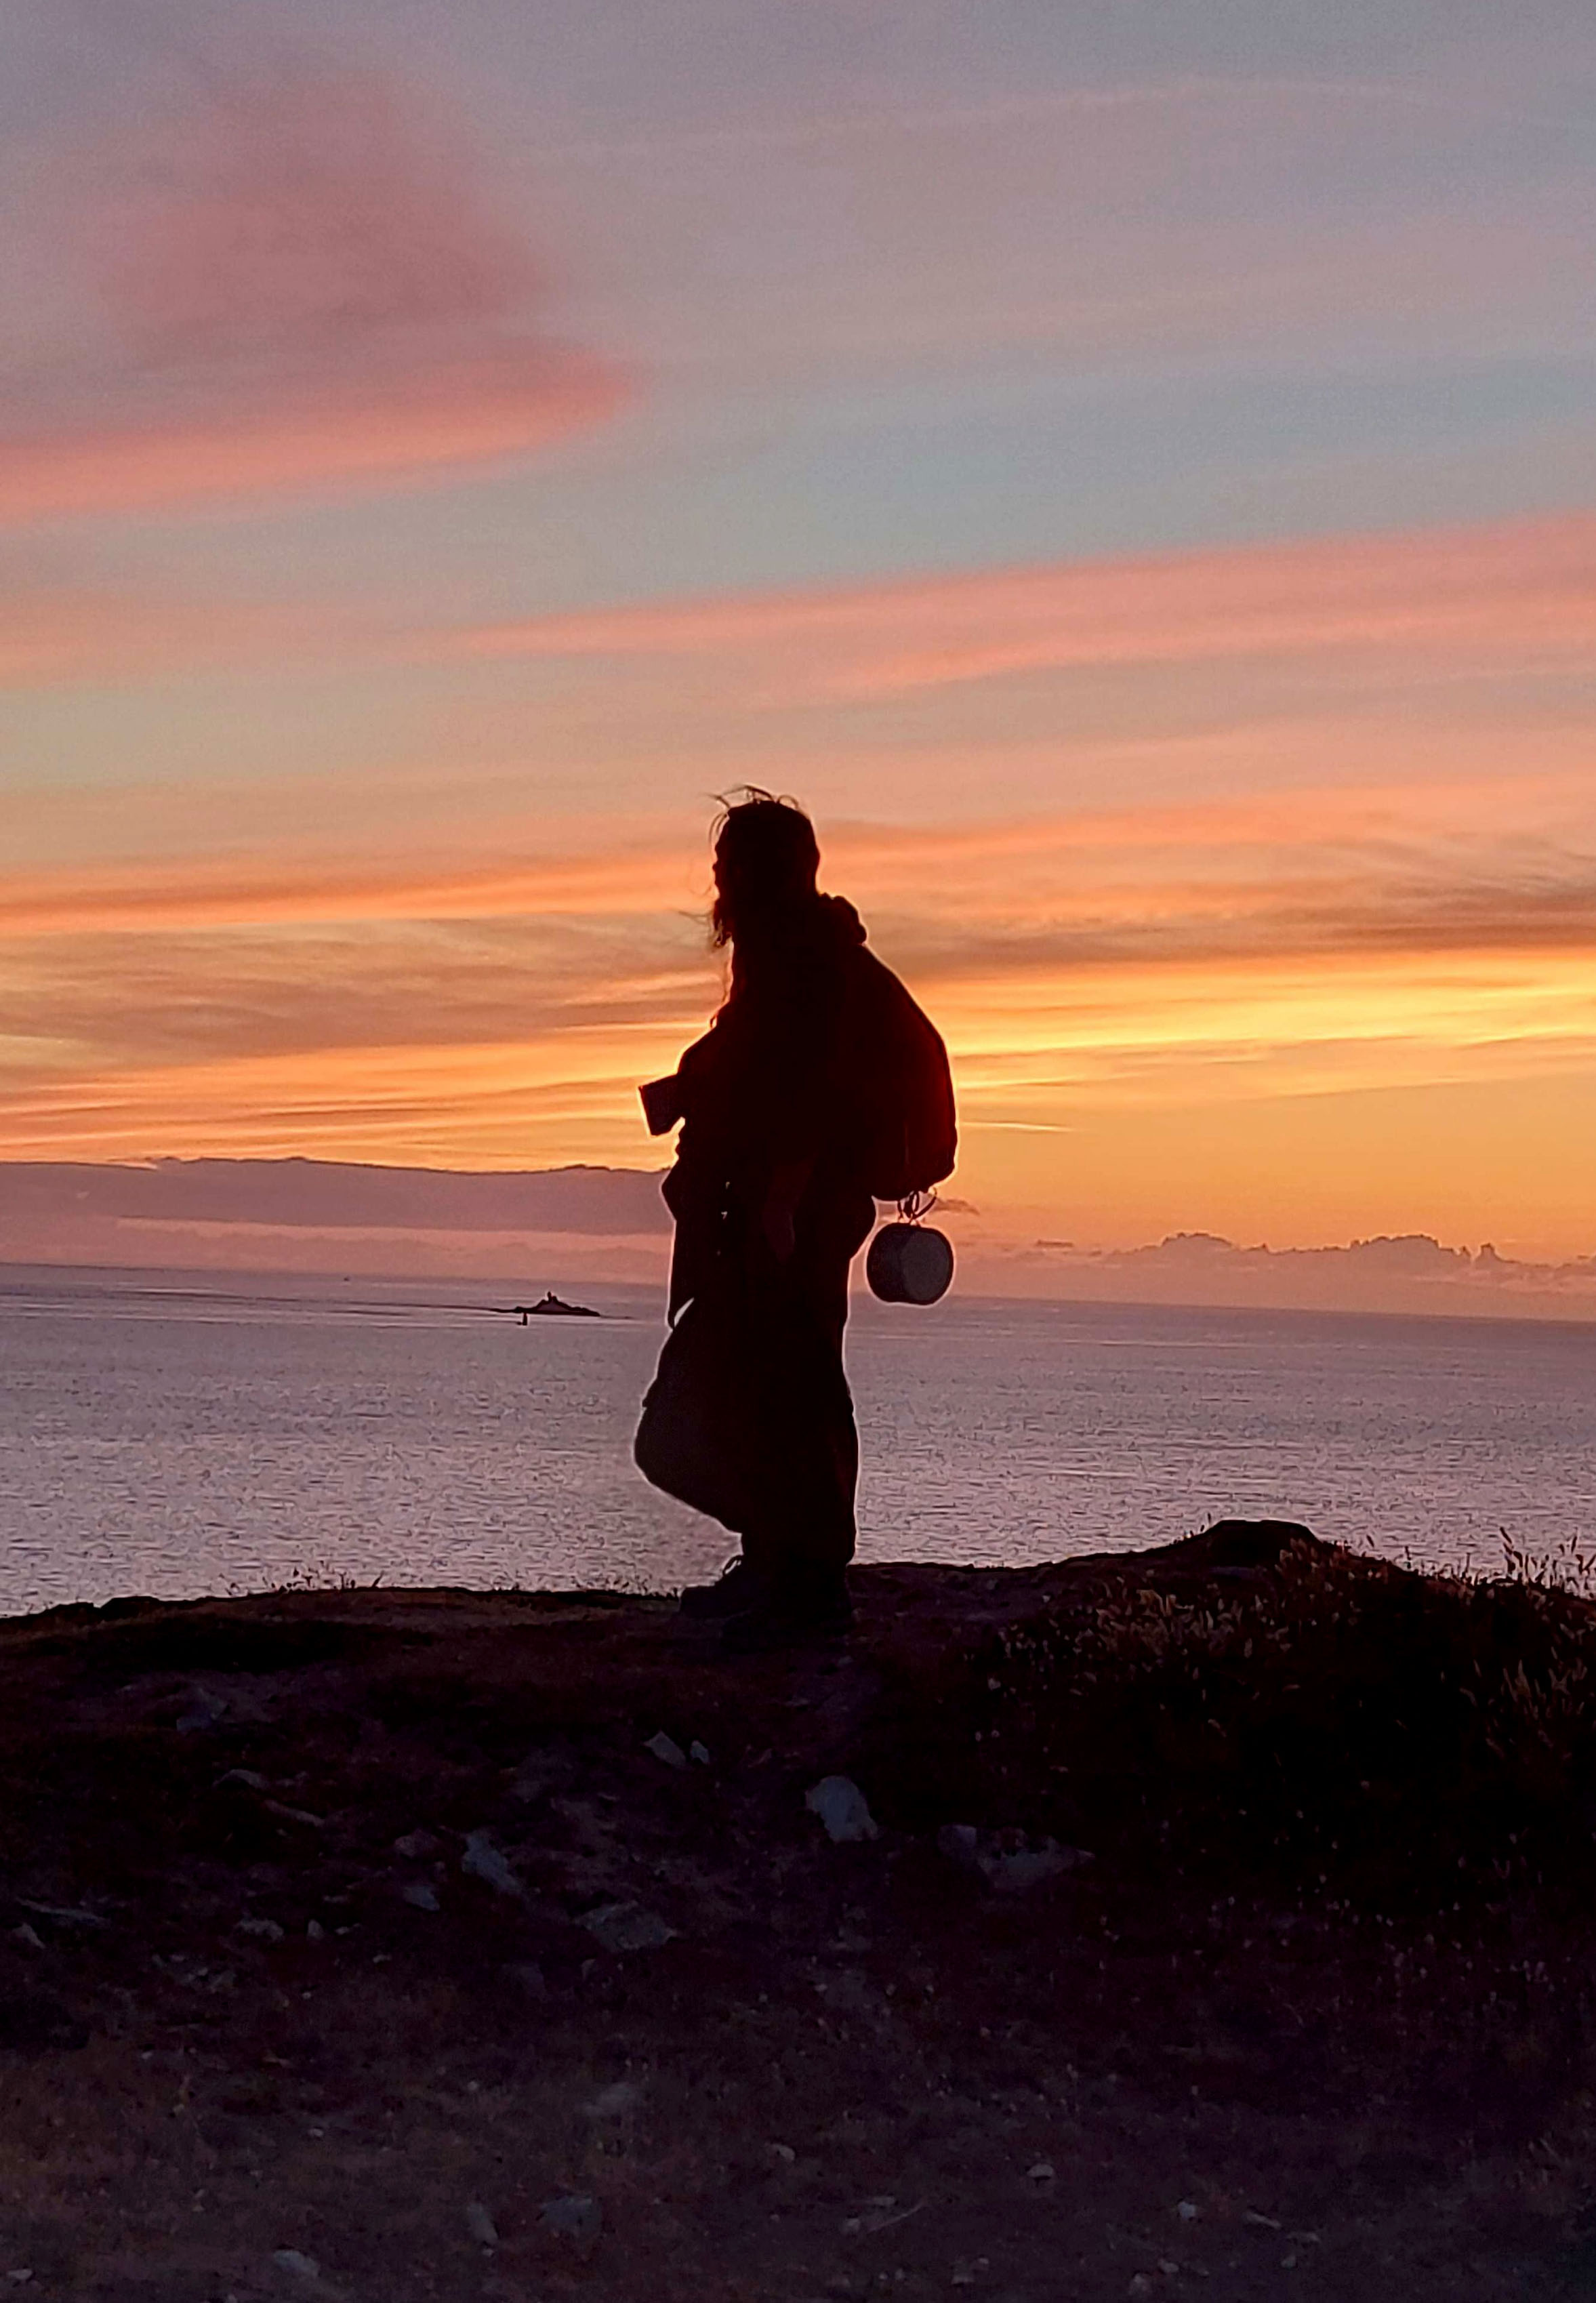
point(801, 1537)
point(833, 1227)
point(811, 1435)
point(796, 1450)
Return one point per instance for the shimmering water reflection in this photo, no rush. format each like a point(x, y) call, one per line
point(175, 1436)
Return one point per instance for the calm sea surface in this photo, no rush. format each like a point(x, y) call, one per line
point(177, 1435)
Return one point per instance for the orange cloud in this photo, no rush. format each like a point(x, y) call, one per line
point(1163, 1018)
point(1085, 943)
point(222, 893)
point(1502, 589)
point(1482, 862)
point(293, 287)
point(516, 1100)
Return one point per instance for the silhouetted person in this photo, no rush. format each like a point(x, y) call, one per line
point(819, 1087)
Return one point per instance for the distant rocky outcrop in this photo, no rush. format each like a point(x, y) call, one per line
point(549, 1306)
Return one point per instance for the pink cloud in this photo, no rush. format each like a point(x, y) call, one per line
point(303, 221)
point(348, 435)
point(1513, 592)
point(1504, 587)
point(295, 286)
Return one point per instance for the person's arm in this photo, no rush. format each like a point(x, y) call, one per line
point(688, 1089)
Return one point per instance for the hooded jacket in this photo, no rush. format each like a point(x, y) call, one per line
point(814, 1060)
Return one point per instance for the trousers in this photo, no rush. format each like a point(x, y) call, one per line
point(749, 1417)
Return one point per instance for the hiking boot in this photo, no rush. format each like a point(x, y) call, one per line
point(786, 1617)
point(738, 1587)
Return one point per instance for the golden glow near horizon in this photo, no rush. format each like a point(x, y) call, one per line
point(1100, 977)
point(1181, 620)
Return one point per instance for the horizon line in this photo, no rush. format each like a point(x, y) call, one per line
point(1452, 1315)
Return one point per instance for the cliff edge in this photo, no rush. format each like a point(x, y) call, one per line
point(1214, 1911)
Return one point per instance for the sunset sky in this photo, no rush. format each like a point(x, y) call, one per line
point(1129, 469)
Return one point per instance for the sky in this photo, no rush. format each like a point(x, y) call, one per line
point(1129, 470)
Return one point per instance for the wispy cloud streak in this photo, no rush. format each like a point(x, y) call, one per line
point(1501, 589)
point(1295, 944)
point(1521, 595)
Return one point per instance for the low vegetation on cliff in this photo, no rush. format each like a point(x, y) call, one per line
point(1220, 1910)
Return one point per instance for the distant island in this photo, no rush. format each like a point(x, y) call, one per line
point(549, 1306)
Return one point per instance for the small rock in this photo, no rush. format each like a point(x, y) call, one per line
point(314, 1932)
point(1259, 2223)
point(289, 2260)
point(1140, 2284)
point(880, 2214)
point(960, 1843)
point(267, 1930)
point(1027, 1866)
point(1041, 2172)
point(1188, 2211)
point(29, 1937)
point(784, 2152)
point(1171, 2270)
point(484, 1861)
point(416, 1846)
point(616, 2101)
point(205, 1708)
point(698, 1754)
point(626, 1927)
point(1006, 1866)
point(842, 1807)
point(295, 1815)
point(666, 1748)
point(64, 1915)
point(540, 1772)
point(424, 1897)
point(574, 2215)
point(480, 2224)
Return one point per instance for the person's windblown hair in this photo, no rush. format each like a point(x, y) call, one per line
point(767, 858)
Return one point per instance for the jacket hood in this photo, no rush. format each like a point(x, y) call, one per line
point(842, 924)
point(789, 947)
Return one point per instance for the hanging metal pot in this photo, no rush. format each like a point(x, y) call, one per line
point(909, 1263)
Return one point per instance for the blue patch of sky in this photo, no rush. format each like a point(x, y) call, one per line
point(208, 729)
point(851, 484)
point(684, 59)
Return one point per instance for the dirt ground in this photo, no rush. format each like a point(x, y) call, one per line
point(366, 1945)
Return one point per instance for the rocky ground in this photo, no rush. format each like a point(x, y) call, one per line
point(412, 1945)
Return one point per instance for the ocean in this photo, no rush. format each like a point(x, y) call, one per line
point(177, 1434)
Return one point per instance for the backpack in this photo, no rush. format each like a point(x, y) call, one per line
point(902, 1088)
